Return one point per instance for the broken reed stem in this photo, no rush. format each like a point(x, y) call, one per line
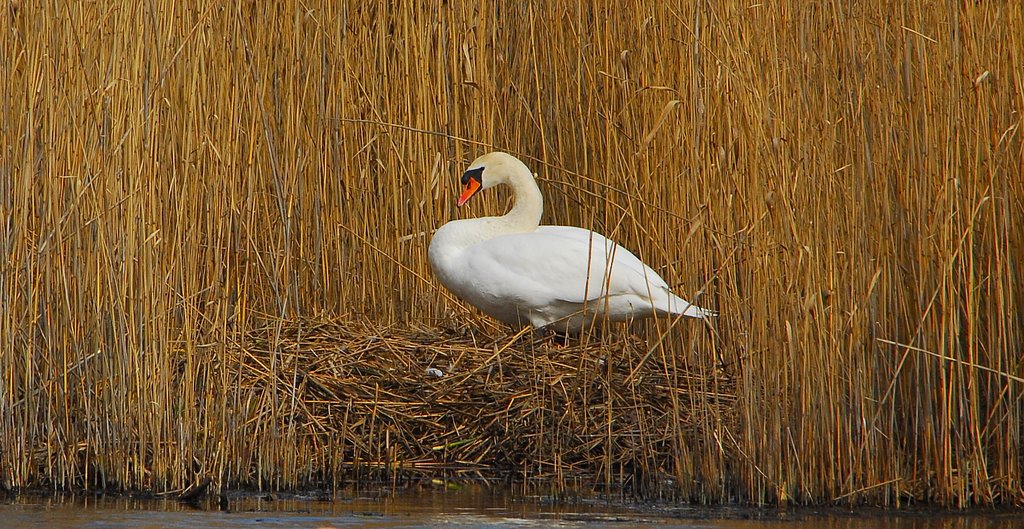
point(1002, 374)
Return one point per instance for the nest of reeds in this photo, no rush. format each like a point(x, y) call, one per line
point(423, 401)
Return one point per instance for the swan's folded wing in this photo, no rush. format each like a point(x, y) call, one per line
point(558, 264)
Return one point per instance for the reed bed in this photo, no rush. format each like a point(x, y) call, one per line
point(215, 219)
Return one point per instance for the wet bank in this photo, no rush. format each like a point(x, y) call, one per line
point(465, 508)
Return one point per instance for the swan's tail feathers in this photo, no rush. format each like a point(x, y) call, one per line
point(684, 308)
point(693, 311)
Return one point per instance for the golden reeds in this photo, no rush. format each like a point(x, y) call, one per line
point(214, 222)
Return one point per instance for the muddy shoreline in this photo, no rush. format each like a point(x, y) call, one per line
point(439, 497)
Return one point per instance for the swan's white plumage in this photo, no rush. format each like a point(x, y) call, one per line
point(557, 277)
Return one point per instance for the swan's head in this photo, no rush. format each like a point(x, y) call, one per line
point(490, 170)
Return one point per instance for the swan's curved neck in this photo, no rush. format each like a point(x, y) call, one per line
point(529, 203)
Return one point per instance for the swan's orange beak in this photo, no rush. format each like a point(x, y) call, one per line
point(472, 186)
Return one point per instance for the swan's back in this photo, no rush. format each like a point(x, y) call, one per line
point(561, 277)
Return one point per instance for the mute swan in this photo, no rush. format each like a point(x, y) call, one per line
point(553, 277)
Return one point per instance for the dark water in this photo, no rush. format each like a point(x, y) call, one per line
point(460, 509)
